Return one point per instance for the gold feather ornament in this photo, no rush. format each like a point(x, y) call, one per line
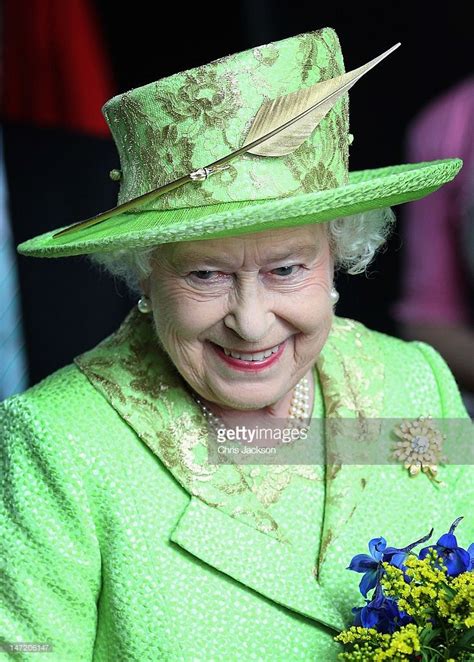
point(280, 126)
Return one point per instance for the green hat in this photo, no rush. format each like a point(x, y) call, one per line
point(249, 142)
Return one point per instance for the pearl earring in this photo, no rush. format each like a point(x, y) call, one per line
point(144, 305)
point(334, 296)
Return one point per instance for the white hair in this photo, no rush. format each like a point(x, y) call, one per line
point(353, 241)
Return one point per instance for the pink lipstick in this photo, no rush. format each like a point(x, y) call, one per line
point(249, 366)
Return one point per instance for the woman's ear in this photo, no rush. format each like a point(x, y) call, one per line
point(145, 286)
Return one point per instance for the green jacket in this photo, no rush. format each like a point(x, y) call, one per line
point(121, 542)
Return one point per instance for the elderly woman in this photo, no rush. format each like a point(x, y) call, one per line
point(123, 539)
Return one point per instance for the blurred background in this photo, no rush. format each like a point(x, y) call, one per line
point(61, 60)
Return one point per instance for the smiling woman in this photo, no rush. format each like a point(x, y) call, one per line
point(123, 538)
point(247, 308)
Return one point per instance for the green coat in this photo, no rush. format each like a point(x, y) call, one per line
point(123, 543)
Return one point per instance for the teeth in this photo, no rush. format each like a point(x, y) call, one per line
point(252, 357)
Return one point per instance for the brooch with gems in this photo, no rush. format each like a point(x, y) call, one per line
point(420, 447)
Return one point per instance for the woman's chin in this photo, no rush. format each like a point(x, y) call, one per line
point(242, 404)
point(244, 399)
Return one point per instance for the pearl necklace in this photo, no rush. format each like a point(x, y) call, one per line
point(298, 414)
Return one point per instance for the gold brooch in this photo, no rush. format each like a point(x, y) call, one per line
point(420, 447)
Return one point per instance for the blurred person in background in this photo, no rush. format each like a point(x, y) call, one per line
point(437, 299)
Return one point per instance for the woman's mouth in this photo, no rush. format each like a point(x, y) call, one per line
point(250, 360)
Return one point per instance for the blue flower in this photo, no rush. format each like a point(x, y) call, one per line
point(457, 559)
point(397, 555)
point(369, 565)
point(381, 613)
point(470, 551)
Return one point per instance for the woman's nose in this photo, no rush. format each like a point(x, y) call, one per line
point(249, 313)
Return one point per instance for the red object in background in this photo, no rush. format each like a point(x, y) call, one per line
point(56, 70)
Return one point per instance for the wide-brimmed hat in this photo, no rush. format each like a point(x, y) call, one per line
point(252, 141)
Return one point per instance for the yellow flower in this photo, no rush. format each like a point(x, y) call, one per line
point(456, 606)
point(404, 643)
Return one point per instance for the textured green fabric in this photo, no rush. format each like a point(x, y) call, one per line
point(169, 128)
point(121, 542)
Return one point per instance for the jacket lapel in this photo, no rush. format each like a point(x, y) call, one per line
point(224, 523)
point(351, 371)
point(256, 560)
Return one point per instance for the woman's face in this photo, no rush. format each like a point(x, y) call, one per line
point(247, 294)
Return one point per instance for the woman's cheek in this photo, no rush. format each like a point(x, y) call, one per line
point(311, 311)
point(181, 319)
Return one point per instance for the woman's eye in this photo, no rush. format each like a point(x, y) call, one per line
point(203, 275)
point(284, 271)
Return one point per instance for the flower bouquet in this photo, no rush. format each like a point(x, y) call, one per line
point(421, 607)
